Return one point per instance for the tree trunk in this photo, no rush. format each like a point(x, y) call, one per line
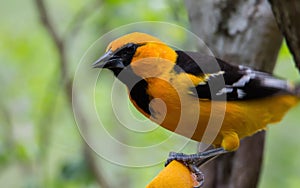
point(240, 32)
point(287, 15)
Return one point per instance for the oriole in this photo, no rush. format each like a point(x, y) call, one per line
point(253, 99)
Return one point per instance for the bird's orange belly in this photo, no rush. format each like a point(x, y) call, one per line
point(220, 123)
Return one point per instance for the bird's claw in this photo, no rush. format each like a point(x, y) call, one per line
point(188, 161)
point(194, 161)
point(199, 175)
point(178, 157)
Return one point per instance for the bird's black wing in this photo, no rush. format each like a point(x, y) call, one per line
point(228, 82)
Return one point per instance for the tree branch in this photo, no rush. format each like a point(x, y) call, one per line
point(287, 15)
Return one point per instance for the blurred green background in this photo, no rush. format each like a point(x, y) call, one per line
point(40, 145)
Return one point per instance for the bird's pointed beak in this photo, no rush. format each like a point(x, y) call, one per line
point(108, 60)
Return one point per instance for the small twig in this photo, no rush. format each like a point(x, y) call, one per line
point(45, 20)
point(7, 120)
point(54, 35)
point(88, 153)
point(66, 82)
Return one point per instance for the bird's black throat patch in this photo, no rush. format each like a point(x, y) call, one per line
point(137, 87)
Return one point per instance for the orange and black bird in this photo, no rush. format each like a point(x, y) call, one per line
point(189, 82)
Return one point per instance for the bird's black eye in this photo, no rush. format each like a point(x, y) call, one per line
point(126, 53)
point(130, 45)
point(130, 48)
point(127, 50)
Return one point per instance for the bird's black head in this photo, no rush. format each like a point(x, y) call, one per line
point(117, 60)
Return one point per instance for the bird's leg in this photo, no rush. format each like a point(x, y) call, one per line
point(197, 159)
point(194, 161)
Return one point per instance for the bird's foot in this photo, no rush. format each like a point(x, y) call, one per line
point(194, 161)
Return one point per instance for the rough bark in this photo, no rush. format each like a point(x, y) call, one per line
point(287, 15)
point(241, 32)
